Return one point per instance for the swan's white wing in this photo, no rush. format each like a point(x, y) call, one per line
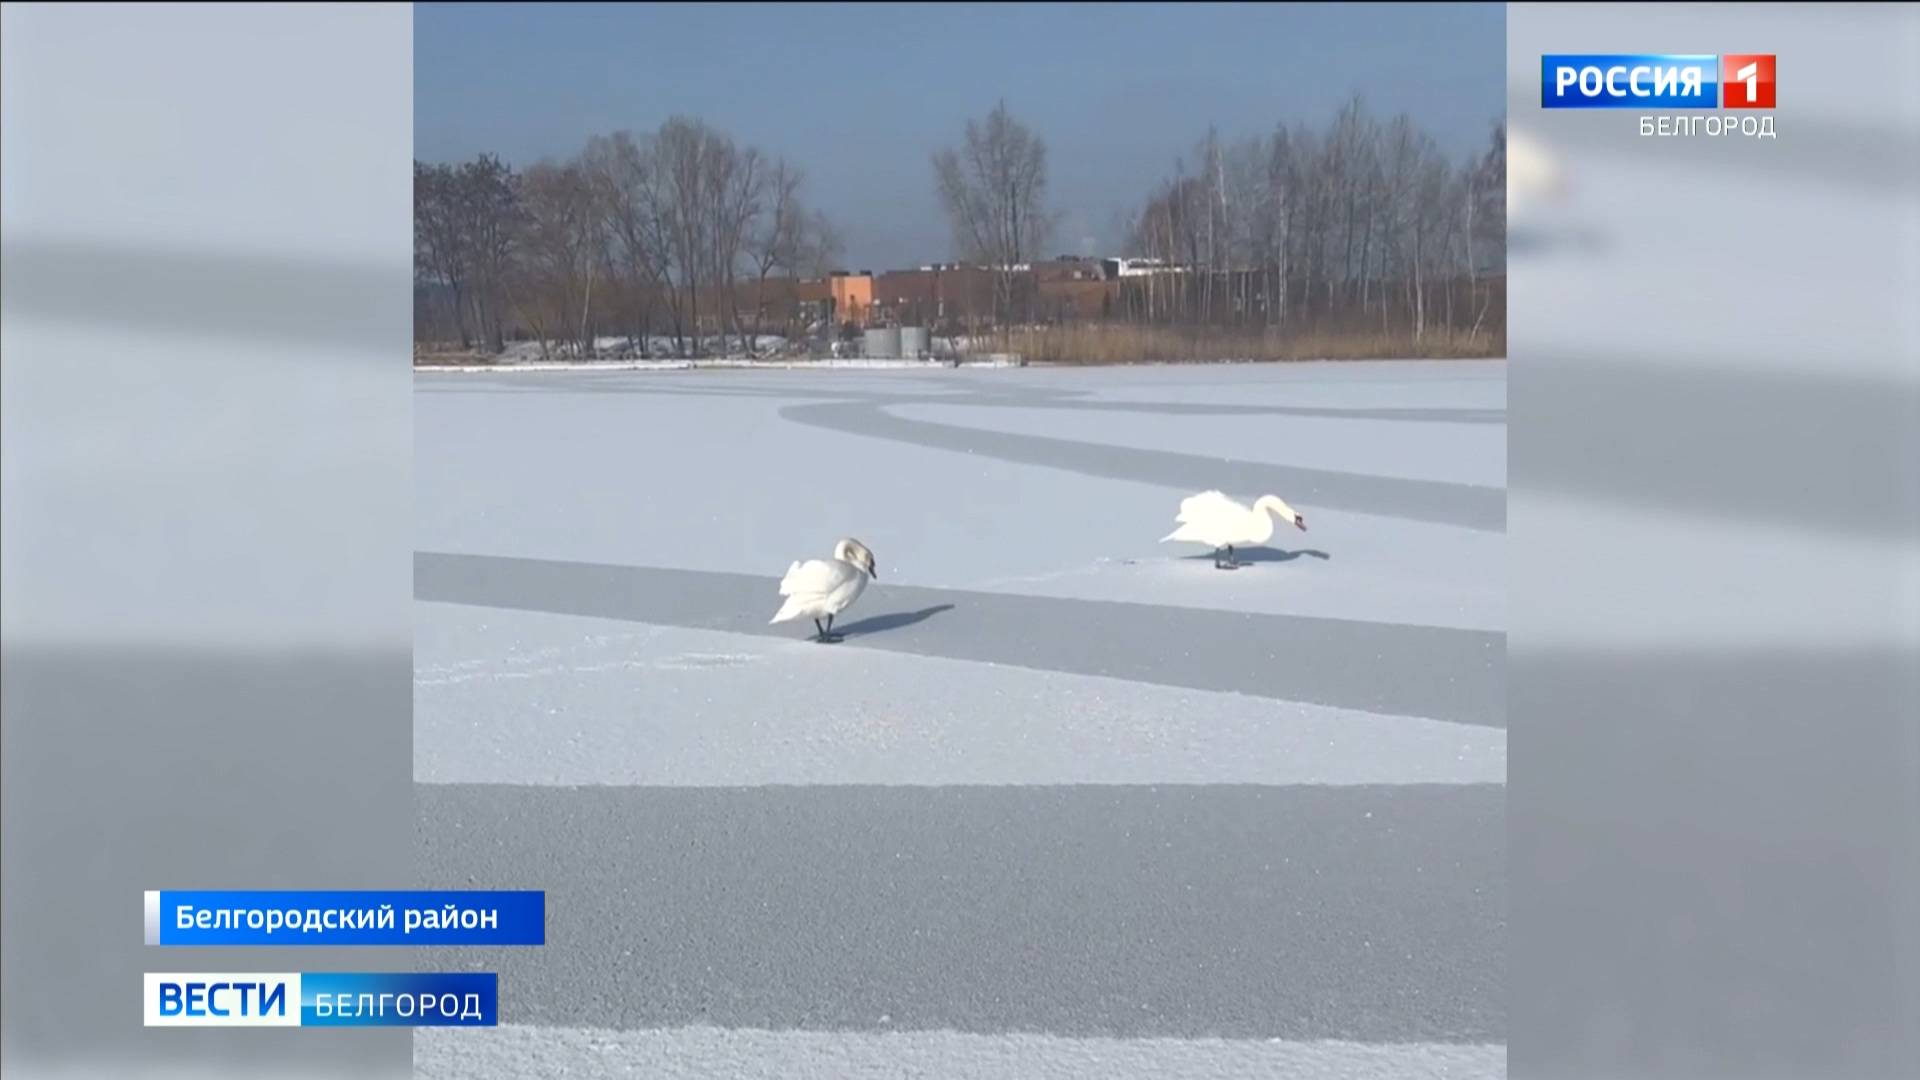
point(815, 577)
point(818, 587)
point(1210, 518)
point(1207, 506)
point(845, 593)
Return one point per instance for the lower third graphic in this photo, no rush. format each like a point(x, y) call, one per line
point(322, 999)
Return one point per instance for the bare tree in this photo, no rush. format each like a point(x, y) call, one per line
point(622, 170)
point(1314, 197)
point(1207, 198)
point(820, 245)
point(1401, 155)
point(1486, 216)
point(775, 242)
point(488, 194)
point(994, 190)
point(788, 238)
point(737, 179)
point(564, 251)
point(440, 251)
point(1430, 222)
point(1244, 204)
point(1349, 150)
point(1286, 180)
point(684, 157)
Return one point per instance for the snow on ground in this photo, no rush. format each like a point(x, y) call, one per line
point(519, 354)
point(606, 702)
point(659, 345)
point(722, 362)
point(1066, 798)
point(1461, 451)
point(701, 471)
point(775, 1055)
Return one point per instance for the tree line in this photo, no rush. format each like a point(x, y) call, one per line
point(686, 234)
point(1352, 226)
point(1356, 223)
point(673, 232)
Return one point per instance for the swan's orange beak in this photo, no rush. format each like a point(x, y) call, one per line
point(1300, 522)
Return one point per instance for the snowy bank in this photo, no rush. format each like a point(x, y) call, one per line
point(996, 361)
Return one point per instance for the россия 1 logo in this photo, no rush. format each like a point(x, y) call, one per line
point(1748, 79)
point(1657, 81)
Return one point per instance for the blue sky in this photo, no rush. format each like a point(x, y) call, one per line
point(860, 96)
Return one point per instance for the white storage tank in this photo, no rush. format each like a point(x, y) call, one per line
point(883, 343)
point(914, 342)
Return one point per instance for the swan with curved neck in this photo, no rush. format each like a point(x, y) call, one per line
point(823, 588)
point(849, 550)
point(1221, 523)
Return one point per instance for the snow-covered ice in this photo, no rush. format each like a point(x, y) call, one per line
point(604, 702)
point(702, 471)
point(1063, 790)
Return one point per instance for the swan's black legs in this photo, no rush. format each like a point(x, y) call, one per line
point(1231, 563)
point(826, 635)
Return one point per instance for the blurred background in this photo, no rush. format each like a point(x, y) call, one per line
point(205, 570)
point(1714, 459)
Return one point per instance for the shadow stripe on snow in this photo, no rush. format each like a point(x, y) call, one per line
point(1470, 506)
point(1432, 672)
point(753, 1054)
point(1827, 452)
point(1408, 415)
point(1371, 914)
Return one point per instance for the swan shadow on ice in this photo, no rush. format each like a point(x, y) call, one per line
point(1263, 554)
point(875, 624)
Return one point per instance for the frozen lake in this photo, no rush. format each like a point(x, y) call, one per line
point(1063, 790)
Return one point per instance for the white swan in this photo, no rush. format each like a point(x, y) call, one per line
point(821, 588)
point(1213, 519)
